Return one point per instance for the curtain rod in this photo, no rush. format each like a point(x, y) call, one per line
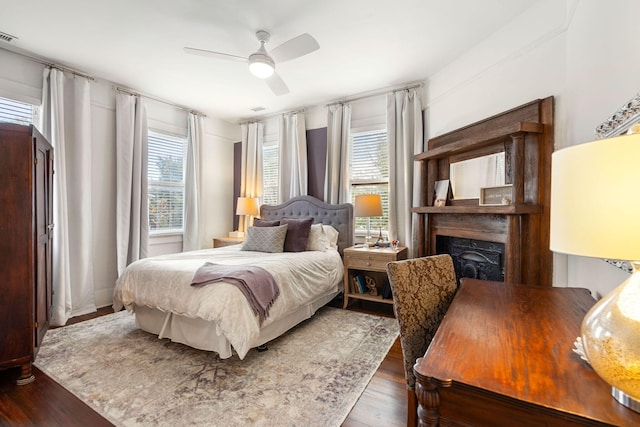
point(50, 64)
point(371, 95)
point(259, 119)
point(357, 98)
point(88, 77)
point(181, 107)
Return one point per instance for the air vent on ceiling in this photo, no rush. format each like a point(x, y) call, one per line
point(7, 37)
point(256, 109)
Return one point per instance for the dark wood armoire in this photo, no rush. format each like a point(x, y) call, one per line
point(26, 230)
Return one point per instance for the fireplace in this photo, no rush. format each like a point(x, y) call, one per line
point(507, 242)
point(477, 259)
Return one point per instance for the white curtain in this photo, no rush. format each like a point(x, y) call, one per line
point(132, 214)
point(195, 137)
point(251, 167)
point(404, 133)
point(292, 169)
point(336, 183)
point(66, 122)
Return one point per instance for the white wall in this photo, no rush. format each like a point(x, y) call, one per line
point(21, 79)
point(583, 52)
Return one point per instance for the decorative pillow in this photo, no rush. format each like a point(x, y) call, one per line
point(265, 239)
point(257, 222)
point(318, 239)
point(332, 235)
point(297, 233)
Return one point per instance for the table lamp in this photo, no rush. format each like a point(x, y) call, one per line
point(595, 212)
point(368, 205)
point(247, 206)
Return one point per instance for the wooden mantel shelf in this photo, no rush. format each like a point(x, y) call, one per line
point(520, 209)
point(479, 141)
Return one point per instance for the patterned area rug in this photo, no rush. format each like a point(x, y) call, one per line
point(311, 376)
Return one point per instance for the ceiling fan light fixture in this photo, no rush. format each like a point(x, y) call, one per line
point(261, 65)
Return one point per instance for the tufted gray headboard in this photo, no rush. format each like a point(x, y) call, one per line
point(338, 216)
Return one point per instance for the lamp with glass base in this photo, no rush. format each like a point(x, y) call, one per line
point(368, 205)
point(595, 211)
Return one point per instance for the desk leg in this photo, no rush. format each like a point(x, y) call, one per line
point(428, 403)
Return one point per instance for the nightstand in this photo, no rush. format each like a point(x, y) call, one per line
point(358, 261)
point(219, 242)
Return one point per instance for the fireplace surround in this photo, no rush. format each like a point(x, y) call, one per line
point(525, 135)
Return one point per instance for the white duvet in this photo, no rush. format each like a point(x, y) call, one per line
point(163, 282)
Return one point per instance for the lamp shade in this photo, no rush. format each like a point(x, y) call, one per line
point(368, 205)
point(247, 206)
point(595, 211)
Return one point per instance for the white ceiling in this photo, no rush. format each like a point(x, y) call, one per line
point(365, 45)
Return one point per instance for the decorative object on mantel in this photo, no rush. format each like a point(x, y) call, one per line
point(496, 196)
point(368, 205)
point(596, 215)
point(441, 193)
point(314, 373)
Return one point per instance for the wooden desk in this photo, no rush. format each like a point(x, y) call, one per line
point(502, 357)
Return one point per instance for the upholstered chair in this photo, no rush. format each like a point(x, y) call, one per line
point(422, 291)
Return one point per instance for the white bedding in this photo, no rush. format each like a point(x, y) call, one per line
point(163, 283)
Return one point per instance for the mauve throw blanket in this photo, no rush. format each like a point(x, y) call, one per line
point(256, 283)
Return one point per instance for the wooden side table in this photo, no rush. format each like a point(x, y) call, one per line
point(219, 242)
point(362, 260)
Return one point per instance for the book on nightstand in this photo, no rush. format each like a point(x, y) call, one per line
point(362, 286)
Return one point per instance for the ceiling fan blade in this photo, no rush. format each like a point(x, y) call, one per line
point(213, 54)
point(294, 48)
point(277, 85)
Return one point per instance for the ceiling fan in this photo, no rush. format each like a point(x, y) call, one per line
point(262, 64)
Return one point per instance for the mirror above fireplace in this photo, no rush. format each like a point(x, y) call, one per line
point(469, 176)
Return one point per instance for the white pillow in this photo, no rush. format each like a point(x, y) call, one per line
point(332, 234)
point(318, 239)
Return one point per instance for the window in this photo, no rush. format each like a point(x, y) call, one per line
point(369, 171)
point(270, 173)
point(166, 155)
point(16, 112)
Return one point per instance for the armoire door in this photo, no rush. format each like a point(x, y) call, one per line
point(44, 231)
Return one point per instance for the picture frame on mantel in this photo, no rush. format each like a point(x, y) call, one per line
point(625, 120)
point(441, 193)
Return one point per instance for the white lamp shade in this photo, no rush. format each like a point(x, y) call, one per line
point(595, 208)
point(247, 206)
point(368, 205)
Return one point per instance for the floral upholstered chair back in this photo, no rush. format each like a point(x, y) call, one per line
point(422, 291)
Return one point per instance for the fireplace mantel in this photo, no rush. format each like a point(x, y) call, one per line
point(525, 134)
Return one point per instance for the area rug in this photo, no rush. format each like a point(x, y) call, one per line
point(311, 376)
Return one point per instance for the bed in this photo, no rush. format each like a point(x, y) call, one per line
point(218, 317)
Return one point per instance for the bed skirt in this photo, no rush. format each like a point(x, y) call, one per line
point(204, 335)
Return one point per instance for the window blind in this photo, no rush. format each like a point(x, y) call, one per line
point(15, 112)
point(369, 173)
point(270, 174)
point(165, 172)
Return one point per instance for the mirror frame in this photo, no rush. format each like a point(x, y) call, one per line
point(618, 123)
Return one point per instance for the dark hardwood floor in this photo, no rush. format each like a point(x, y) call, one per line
point(45, 403)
